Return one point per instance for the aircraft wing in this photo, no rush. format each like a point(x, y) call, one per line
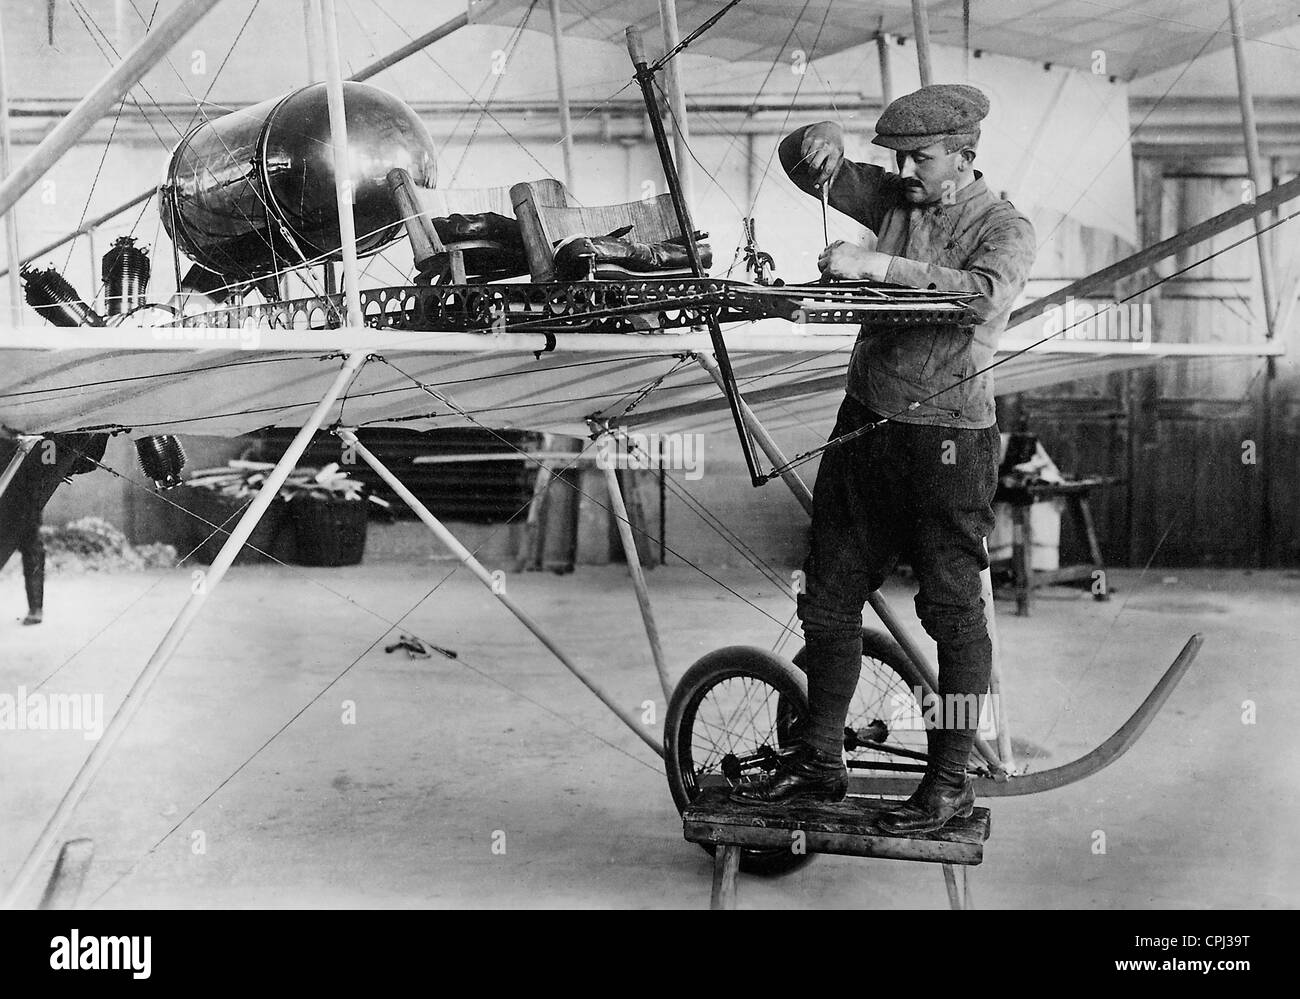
point(1138, 37)
point(225, 382)
point(805, 397)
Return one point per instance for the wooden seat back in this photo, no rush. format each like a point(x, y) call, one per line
point(545, 223)
point(421, 205)
point(440, 203)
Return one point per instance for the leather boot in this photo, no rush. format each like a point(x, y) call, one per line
point(502, 257)
point(671, 255)
point(945, 791)
point(806, 774)
point(577, 257)
point(486, 225)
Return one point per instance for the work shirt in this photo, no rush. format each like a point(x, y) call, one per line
point(979, 243)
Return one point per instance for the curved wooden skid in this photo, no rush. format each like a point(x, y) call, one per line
point(1076, 770)
point(1110, 750)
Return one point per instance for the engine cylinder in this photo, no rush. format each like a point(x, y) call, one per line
point(125, 273)
point(50, 294)
point(162, 459)
point(252, 192)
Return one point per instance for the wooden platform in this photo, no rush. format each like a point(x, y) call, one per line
point(846, 828)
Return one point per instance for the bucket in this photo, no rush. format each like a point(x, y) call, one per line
point(329, 531)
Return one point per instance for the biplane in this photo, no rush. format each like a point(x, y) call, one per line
point(514, 316)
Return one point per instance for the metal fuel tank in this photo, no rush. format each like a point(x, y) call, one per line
point(252, 192)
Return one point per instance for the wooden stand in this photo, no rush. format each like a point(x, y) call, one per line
point(846, 828)
point(1021, 499)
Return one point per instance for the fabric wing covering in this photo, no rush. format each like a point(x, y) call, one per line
point(1138, 36)
point(791, 380)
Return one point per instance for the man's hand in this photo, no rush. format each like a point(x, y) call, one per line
point(822, 151)
point(851, 262)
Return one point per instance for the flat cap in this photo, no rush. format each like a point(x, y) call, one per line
point(925, 116)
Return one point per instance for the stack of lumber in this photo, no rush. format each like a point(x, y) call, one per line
point(240, 479)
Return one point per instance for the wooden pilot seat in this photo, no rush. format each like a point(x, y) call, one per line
point(458, 261)
point(846, 828)
point(545, 224)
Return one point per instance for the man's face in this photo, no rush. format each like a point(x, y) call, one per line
point(930, 173)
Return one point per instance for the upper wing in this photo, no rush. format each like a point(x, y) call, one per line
point(1138, 38)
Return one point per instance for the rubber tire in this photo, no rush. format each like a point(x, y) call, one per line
point(882, 646)
point(715, 667)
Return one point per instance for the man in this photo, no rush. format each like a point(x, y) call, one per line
point(52, 461)
point(921, 485)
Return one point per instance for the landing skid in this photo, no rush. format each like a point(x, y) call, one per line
point(753, 743)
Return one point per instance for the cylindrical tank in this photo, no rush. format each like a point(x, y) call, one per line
point(252, 192)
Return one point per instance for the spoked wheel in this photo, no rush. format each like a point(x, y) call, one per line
point(728, 719)
point(886, 729)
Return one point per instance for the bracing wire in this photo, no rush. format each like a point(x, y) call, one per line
point(791, 464)
point(446, 401)
point(1132, 132)
point(390, 626)
point(869, 427)
point(511, 45)
point(105, 47)
point(486, 112)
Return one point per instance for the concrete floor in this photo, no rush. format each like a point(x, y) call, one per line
point(242, 750)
